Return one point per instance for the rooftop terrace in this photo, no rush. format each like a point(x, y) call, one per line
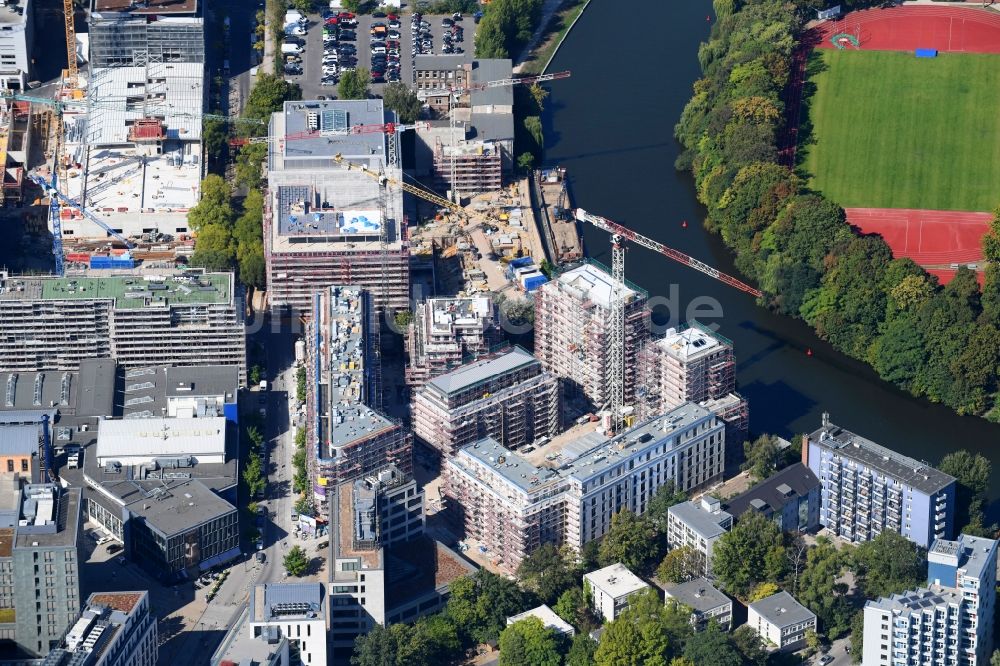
point(127, 291)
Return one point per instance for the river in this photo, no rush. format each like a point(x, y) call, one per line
point(611, 125)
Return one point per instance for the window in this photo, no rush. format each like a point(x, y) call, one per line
point(24, 464)
point(10, 465)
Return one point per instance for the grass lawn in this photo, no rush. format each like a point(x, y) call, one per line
point(889, 130)
point(553, 35)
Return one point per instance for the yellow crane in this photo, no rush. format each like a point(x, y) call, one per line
point(71, 71)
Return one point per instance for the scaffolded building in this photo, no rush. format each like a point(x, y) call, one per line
point(130, 33)
point(324, 223)
point(347, 436)
point(446, 332)
point(186, 318)
point(572, 325)
point(474, 166)
point(509, 398)
point(512, 507)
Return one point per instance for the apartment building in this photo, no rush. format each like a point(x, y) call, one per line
point(126, 33)
point(698, 525)
point(867, 488)
point(706, 602)
point(508, 397)
point(781, 621)
point(346, 434)
point(114, 629)
point(296, 612)
point(17, 43)
point(39, 568)
point(183, 318)
point(610, 589)
point(572, 325)
point(791, 498)
point(447, 332)
point(513, 506)
point(324, 223)
point(948, 622)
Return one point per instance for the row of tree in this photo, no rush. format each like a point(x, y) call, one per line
point(942, 343)
point(506, 26)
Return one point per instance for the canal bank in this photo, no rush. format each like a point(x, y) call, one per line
point(611, 125)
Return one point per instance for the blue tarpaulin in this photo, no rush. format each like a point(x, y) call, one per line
point(926, 53)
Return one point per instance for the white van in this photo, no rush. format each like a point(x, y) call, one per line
point(290, 48)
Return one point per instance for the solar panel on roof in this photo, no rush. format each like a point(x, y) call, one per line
point(333, 119)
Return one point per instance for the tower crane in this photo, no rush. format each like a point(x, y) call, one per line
point(616, 351)
point(70, 23)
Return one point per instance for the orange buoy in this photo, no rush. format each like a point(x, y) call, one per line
point(809, 352)
point(708, 18)
point(684, 224)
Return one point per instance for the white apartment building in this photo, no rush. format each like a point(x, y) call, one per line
point(706, 602)
point(611, 588)
point(698, 525)
point(114, 629)
point(297, 611)
point(948, 622)
point(572, 324)
point(513, 506)
point(781, 620)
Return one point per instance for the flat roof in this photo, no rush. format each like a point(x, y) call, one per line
point(492, 69)
point(917, 601)
point(371, 558)
point(173, 92)
point(418, 566)
point(591, 282)
point(697, 594)
point(707, 524)
point(19, 440)
point(88, 391)
point(11, 18)
point(492, 127)
point(449, 313)
point(274, 602)
point(782, 610)
point(689, 343)
point(180, 508)
point(67, 518)
point(332, 115)
point(242, 645)
point(121, 601)
point(121, 439)
point(787, 485)
point(548, 618)
point(906, 470)
point(126, 291)
point(616, 580)
point(477, 372)
point(302, 212)
point(148, 7)
point(970, 553)
point(148, 390)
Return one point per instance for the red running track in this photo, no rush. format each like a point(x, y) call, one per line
point(947, 29)
point(931, 238)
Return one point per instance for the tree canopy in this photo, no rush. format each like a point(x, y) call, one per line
point(295, 562)
point(548, 572)
point(890, 564)
point(647, 633)
point(398, 97)
point(354, 84)
point(973, 473)
point(528, 641)
point(481, 603)
point(631, 541)
point(751, 553)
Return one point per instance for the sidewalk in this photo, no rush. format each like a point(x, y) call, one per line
point(549, 8)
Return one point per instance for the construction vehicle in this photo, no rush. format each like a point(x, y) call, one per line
point(616, 351)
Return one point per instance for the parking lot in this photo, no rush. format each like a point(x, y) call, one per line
point(312, 55)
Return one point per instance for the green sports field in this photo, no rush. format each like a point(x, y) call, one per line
point(890, 130)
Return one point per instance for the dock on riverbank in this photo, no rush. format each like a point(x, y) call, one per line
point(553, 211)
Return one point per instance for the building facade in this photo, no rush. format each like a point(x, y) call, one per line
point(509, 398)
point(294, 611)
point(513, 507)
point(781, 621)
point(324, 223)
point(447, 332)
point(948, 622)
point(698, 525)
point(347, 435)
point(867, 488)
point(114, 629)
point(610, 589)
point(53, 323)
point(126, 34)
point(39, 567)
point(572, 325)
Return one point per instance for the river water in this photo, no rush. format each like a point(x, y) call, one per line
point(611, 125)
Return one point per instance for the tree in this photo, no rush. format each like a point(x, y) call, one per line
point(762, 456)
point(248, 169)
point(812, 640)
point(819, 590)
point(622, 645)
point(213, 248)
point(440, 636)
point(581, 651)
point(480, 604)
point(214, 137)
point(666, 496)
point(214, 206)
point(300, 384)
point(752, 552)
point(354, 84)
point(857, 636)
point(572, 607)
point(763, 591)
point(268, 95)
point(303, 506)
point(889, 564)
point(398, 97)
point(253, 475)
point(402, 319)
point(995, 659)
point(295, 562)
point(547, 573)
point(255, 374)
point(631, 541)
point(973, 473)
point(750, 645)
point(525, 161)
point(712, 647)
point(528, 641)
point(681, 565)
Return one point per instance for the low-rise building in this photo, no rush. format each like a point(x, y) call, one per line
point(294, 611)
point(548, 618)
point(114, 629)
point(950, 621)
point(698, 525)
point(610, 589)
point(791, 498)
point(168, 442)
point(867, 488)
point(512, 506)
point(707, 603)
point(508, 397)
point(260, 646)
point(447, 332)
point(781, 621)
point(39, 567)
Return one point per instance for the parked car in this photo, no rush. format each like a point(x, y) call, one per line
point(447, 23)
